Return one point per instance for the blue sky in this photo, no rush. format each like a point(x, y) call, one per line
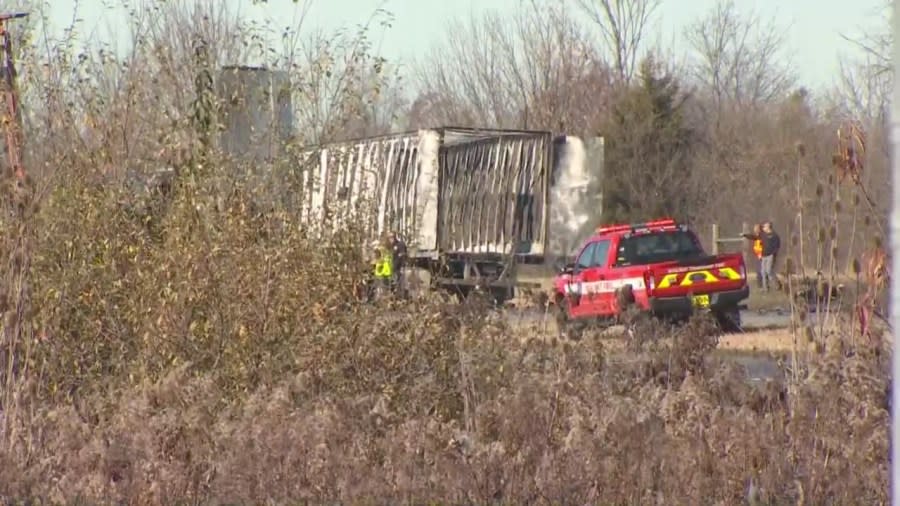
point(814, 36)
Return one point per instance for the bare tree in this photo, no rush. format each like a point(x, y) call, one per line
point(877, 41)
point(343, 88)
point(537, 70)
point(866, 80)
point(623, 25)
point(739, 59)
point(863, 91)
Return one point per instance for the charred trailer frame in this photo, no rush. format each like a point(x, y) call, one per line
point(493, 209)
point(475, 205)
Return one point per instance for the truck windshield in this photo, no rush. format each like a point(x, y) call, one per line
point(658, 247)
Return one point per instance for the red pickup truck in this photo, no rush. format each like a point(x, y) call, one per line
point(660, 267)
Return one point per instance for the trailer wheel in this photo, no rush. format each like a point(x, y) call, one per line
point(418, 282)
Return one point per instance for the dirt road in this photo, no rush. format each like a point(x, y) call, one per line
point(752, 320)
point(766, 337)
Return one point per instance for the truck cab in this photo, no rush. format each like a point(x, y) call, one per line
point(659, 267)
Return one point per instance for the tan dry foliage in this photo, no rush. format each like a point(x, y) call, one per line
point(545, 422)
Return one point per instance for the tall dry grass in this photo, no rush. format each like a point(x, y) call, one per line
point(201, 345)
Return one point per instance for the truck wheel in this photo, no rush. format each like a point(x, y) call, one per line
point(562, 312)
point(574, 331)
point(566, 327)
point(625, 297)
point(729, 320)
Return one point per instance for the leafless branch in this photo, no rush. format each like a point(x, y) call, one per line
point(739, 58)
point(622, 25)
point(536, 70)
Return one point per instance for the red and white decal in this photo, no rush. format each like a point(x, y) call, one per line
point(606, 286)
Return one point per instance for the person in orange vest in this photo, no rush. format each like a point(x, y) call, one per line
point(755, 236)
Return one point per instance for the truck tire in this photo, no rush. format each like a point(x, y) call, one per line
point(729, 320)
point(567, 328)
point(625, 297)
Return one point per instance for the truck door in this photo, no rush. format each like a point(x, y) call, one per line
point(602, 304)
point(578, 298)
point(593, 279)
point(624, 272)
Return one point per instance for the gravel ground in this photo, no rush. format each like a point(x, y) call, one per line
point(766, 336)
point(751, 319)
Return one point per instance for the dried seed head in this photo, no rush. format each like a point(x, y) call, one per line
point(801, 149)
point(820, 190)
point(856, 199)
point(838, 207)
point(877, 242)
point(832, 231)
point(789, 266)
point(834, 251)
point(821, 236)
point(867, 220)
point(857, 268)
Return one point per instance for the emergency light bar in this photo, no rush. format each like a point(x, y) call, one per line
point(634, 227)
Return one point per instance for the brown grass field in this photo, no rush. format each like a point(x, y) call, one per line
point(200, 342)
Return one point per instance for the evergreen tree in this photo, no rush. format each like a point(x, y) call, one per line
point(649, 150)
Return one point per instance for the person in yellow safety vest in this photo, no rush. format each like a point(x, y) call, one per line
point(382, 270)
point(384, 264)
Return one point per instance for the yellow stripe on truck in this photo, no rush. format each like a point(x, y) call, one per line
point(725, 273)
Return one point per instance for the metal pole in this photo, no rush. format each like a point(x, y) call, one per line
point(895, 247)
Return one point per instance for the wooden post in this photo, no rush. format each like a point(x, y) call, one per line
point(715, 238)
point(745, 229)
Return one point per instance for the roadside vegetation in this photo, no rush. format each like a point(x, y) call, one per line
point(190, 340)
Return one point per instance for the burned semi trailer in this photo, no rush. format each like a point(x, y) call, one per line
point(477, 207)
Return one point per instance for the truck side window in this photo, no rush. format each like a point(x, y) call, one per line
point(655, 247)
point(585, 259)
point(601, 253)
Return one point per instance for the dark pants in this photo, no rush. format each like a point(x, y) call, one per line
point(397, 278)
